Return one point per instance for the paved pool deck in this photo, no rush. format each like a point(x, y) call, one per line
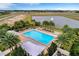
point(32, 46)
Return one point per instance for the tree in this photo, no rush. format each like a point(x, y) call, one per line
point(45, 23)
point(19, 25)
point(18, 52)
point(22, 24)
point(76, 11)
point(37, 23)
point(2, 32)
point(61, 39)
point(10, 40)
point(51, 23)
point(75, 47)
point(5, 26)
point(67, 38)
point(66, 28)
point(48, 25)
point(76, 30)
point(52, 49)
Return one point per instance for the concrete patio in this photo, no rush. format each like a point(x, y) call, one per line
point(32, 48)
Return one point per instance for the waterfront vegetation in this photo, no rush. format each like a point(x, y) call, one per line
point(48, 25)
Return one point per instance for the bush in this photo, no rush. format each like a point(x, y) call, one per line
point(18, 52)
point(52, 49)
point(5, 26)
point(3, 47)
point(19, 25)
point(66, 28)
point(69, 40)
point(75, 49)
point(7, 40)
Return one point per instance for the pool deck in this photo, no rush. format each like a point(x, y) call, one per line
point(40, 46)
point(32, 48)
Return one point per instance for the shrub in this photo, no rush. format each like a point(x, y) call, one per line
point(19, 25)
point(75, 49)
point(5, 26)
point(52, 49)
point(18, 52)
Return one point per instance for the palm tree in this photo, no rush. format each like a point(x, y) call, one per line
point(10, 40)
point(61, 39)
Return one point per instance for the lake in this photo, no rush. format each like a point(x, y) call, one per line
point(59, 21)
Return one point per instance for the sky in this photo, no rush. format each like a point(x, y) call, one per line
point(39, 6)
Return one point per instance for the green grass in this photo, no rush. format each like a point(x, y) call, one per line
point(2, 16)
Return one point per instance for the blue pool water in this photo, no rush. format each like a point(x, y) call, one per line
point(39, 36)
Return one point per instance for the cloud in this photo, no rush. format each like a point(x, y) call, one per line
point(5, 6)
point(32, 4)
point(8, 6)
point(66, 8)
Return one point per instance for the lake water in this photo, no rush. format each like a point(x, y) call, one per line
point(59, 21)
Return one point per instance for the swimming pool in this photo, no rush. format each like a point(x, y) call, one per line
point(39, 36)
